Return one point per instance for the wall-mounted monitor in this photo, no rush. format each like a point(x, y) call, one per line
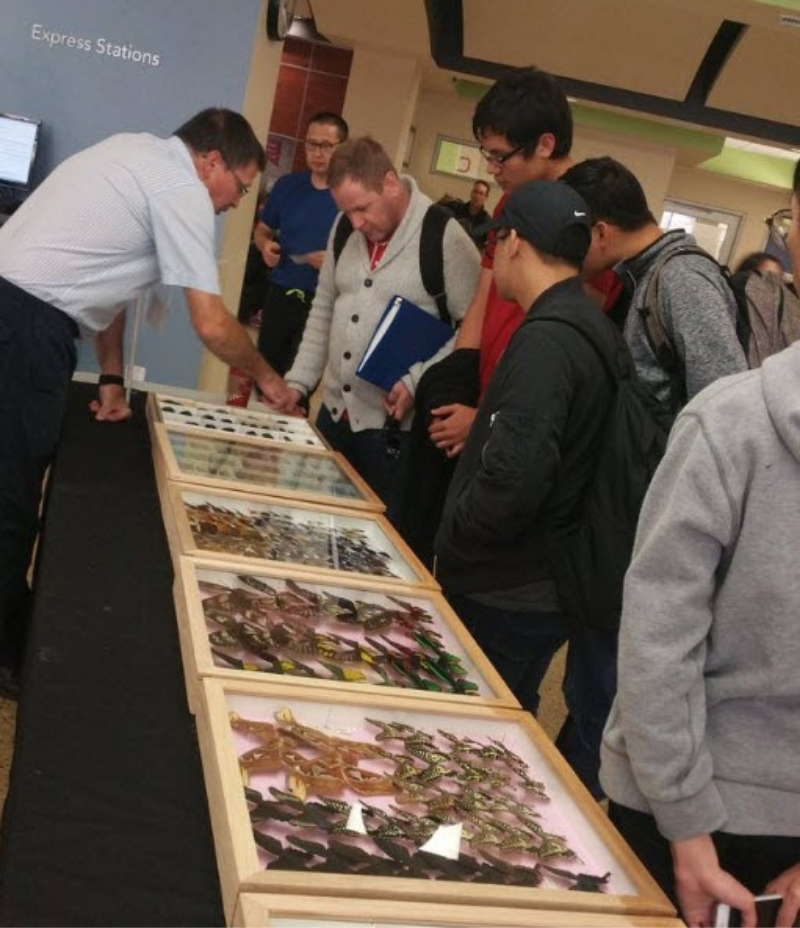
point(19, 138)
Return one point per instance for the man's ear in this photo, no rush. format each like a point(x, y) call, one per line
point(602, 233)
point(208, 161)
point(546, 145)
point(514, 243)
point(606, 242)
point(391, 184)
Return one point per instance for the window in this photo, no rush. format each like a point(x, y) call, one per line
point(714, 229)
point(459, 158)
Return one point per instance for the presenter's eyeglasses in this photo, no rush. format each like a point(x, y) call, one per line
point(241, 187)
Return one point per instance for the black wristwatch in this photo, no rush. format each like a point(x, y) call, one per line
point(116, 379)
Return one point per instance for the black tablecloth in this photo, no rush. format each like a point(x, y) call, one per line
point(106, 821)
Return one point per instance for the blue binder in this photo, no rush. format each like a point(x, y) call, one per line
point(405, 335)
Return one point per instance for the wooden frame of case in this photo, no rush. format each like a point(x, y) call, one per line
point(257, 910)
point(163, 485)
point(308, 435)
point(366, 499)
point(241, 869)
point(198, 660)
point(420, 577)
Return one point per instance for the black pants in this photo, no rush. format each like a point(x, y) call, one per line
point(37, 360)
point(283, 322)
point(254, 286)
point(379, 457)
point(753, 859)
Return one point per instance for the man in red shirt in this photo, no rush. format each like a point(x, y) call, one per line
point(524, 126)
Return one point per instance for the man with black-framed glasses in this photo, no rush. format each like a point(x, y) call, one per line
point(524, 127)
point(291, 234)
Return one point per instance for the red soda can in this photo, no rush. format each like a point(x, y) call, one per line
point(240, 386)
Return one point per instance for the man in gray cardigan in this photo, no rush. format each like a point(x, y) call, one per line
point(380, 260)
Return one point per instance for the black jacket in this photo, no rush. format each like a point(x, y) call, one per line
point(453, 380)
point(531, 451)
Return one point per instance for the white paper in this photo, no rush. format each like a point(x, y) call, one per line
point(388, 319)
point(300, 259)
point(355, 821)
point(445, 841)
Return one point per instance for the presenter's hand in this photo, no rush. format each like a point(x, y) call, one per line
point(451, 427)
point(112, 405)
point(398, 401)
point(278, 396)
point(271, 253)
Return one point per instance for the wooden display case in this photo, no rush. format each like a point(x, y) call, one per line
point(351, 797)
point(252, 465)
point(215, 418)
point(261, 910)
point(267, 625)
point(321, 540)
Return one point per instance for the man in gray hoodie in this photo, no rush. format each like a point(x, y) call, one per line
point(696, 306)
point(700, 754)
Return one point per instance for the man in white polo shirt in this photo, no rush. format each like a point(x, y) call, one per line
point(107, 224)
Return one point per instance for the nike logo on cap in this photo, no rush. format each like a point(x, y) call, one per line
point(576, 213)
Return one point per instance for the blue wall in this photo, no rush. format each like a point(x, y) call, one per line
point(83, 94)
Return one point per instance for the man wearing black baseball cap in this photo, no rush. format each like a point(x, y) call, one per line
point(526, 466)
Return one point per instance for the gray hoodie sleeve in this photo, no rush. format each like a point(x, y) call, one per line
point(699, 314)
point(688, 518)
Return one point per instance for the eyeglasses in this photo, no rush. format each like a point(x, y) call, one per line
point(499, 157)
point(502, 234)
point(242, 188)
point(779, 223)
point(325, 147)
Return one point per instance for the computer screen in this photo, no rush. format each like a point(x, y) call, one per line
point(18, 140)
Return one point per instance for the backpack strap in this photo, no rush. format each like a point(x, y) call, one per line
point(431, 253)
point(655, 332)
point(744, 329)
point(618, 365)
point(431, 257)
point(344, 229)
point(611, 365)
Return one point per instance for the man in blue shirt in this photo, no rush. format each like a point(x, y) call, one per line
point(291, 234)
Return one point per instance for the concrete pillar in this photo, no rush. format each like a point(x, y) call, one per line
point(382, 98)
point(257, 108)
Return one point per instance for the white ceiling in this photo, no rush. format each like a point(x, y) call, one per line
point(644, 56)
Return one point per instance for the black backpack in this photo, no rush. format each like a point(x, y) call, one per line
point(589, 563)
point(431, 252)
point(767, 317)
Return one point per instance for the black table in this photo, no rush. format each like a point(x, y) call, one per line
point(106, 820)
